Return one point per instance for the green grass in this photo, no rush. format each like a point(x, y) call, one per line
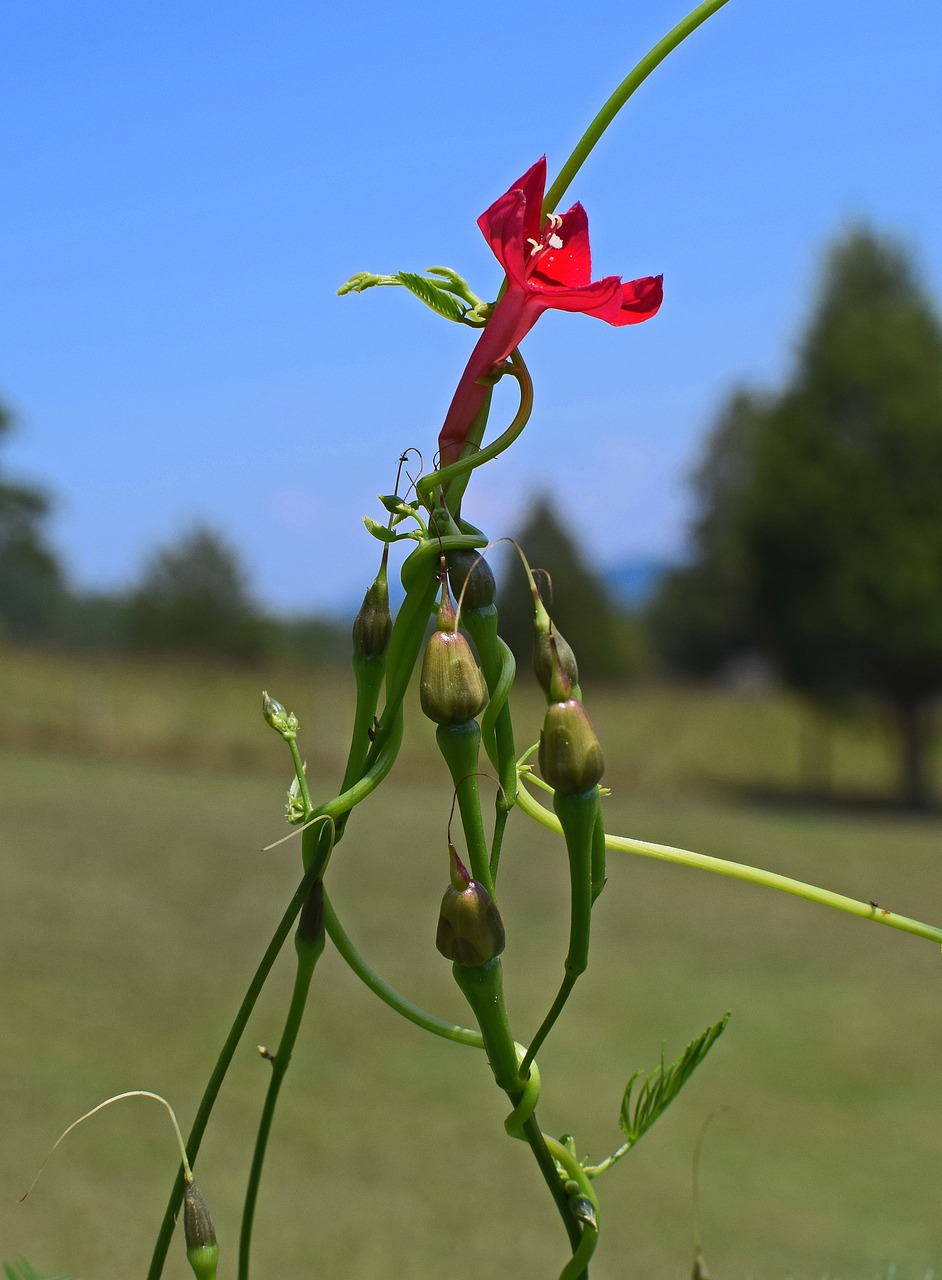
point(137, 901)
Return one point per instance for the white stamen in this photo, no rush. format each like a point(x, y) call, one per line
point(554, 241)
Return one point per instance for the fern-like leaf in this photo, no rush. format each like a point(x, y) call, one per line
point(433, 295)
point(661, 1086)
point(657, 1091)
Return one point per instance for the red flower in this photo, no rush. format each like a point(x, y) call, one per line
point(548, 266)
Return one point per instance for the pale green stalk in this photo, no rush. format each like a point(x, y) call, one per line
point(738, 870)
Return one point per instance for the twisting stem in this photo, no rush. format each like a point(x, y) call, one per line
point(380, 987)
point(739, 871)
point(214, 1084)
point(631, 82)
point(460, 470)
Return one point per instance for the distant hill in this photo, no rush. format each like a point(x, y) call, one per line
point(634, 582)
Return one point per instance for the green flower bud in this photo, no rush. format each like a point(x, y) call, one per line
point(452, 687)
point(470, 930)
point(373, 624)
point(570, 756)
point(469, 567)
point(554, 663)
point(202, 1251)
point(282, 721)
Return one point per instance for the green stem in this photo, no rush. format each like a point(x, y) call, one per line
point(380, 766)
point(301, 776)
point(460, 746)
point(631, 82)
point(577, 815)
point(368, 673)
point(740, 871)
point(214, 1084)
point(380, 987)
point(307, 962)
point(309, 947)
point(538, 1143)
point(482, 987)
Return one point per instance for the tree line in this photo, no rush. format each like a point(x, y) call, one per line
point(818, 534)
point(816, 540)
point(193, 597)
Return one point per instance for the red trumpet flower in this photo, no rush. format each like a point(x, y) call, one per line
point(548, 265)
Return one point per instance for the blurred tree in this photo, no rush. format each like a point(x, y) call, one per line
point(32, 585)
point(193, 599)
point(843, 519)
point(702, 615)
point(820, 529)
point(606, 643)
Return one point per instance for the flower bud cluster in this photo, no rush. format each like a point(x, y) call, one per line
point(282, 721)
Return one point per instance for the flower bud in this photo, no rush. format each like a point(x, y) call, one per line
point(554, 663)
point(202, 1251)
point(373, 624)
point(570, 756)
point(452, 688)
point(470, 930)
point(282, 721)
point(469, 567)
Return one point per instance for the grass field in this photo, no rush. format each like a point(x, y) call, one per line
point(134, 802)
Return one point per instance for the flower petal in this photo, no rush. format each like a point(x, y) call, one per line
point(513, 218)
point(533, 184)
point(640, 299)
point(502, 227)
point(600, 298)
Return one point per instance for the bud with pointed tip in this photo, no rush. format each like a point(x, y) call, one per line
point(570, 755)
point(470, 930)
point(452, 688)
point(554, 663)
point(471, 568)
point(373, 624)
point(202, 1251)
point(282, 721)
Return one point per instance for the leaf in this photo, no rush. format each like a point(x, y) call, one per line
point(395, 505)
point(364, 280)
point(661, 1086)
point(380, 531)
point(433, 295)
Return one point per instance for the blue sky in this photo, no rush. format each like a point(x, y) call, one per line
point(186, 185)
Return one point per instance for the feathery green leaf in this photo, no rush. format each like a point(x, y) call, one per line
point(657, 1091)
point(661, 1086)
point(433, 295)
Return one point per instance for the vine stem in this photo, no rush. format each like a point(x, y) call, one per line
point(307, 962)
point(213, 1085)
point(738, 871)
point(309, 947)
point(635, 78)
point(388, 994)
